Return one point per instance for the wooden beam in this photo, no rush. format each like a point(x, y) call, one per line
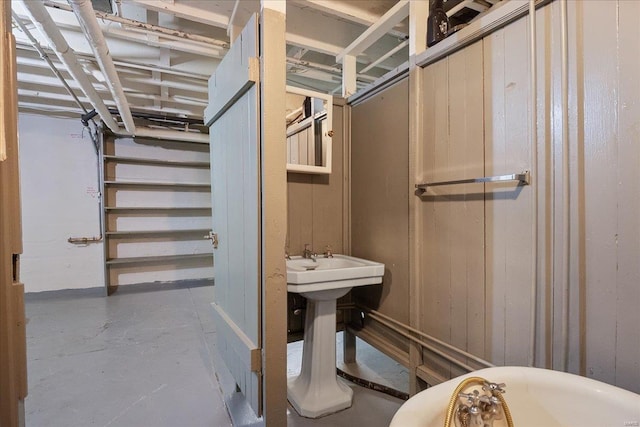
point(349, 76)
point(313, 44)
point(347, 11)
point(307, 28)
point(418, 15)
point(385, 56)
point(393, 16)
point(186, 11)
point(167, 42)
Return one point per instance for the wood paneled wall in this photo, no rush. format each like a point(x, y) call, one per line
point(379, 199)
point(605, 153)
point(317, 212)
point(476, 258)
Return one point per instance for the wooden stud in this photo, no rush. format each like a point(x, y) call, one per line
point(274, 212)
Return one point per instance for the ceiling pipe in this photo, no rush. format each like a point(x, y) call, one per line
point(89, 24)
point(173, 135)
point(146, 26)
point(38, 14)
point(49, 30)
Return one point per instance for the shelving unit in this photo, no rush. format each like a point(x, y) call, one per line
point(155, 196)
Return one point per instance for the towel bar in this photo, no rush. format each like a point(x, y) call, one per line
point(522, 178)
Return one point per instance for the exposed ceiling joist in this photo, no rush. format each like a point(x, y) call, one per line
point(376, 31)
point(146, 26)
point(165, 50)
point(349, 11)
point(185, 11)
point(378, 61)
point(168, 42)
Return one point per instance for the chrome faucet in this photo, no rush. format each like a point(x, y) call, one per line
point(327, 252)
point(308, 253)
point(480, 409)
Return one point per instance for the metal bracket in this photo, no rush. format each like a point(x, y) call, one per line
point(214, 239)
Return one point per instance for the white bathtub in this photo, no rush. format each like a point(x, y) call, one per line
point(536, 398)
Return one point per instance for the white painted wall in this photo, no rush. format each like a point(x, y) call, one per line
point(59, 187)
point(60, 190)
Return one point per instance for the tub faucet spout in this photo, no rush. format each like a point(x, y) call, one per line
point(475, 408)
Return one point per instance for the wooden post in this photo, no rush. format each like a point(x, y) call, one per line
point(418, 13)
point(274, 211)
point(349, 76)
point(13, 384)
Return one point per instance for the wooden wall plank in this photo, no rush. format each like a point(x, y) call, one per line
point(219, 166)
point(601, 177)
point(302, 148)
point(327, 220)
point(555, 195)
point(416, 217)
point(435, 277)
point(239, 290)
point(379, 197)
point(627, 374)
point(517, 203)
point(316, 202)
point(251, 218)
point(543, 180)
point(495, 143)
point(474, 206)
point(300, 212)
point(465, 225)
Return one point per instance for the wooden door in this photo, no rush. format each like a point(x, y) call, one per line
point(233, 119)
point(13, 367)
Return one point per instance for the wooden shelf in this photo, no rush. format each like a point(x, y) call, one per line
point(157, 232)
point(155, 209)
point(156, 259)
point(156, 184)
point(142, 161)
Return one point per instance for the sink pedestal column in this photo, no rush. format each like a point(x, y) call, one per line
point(318, 391)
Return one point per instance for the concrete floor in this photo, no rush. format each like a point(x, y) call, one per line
point(147, 357)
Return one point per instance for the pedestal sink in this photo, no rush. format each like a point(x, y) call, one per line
point(317, 391)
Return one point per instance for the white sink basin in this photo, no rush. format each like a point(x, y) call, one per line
point(317, 391)
point(341, 271)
